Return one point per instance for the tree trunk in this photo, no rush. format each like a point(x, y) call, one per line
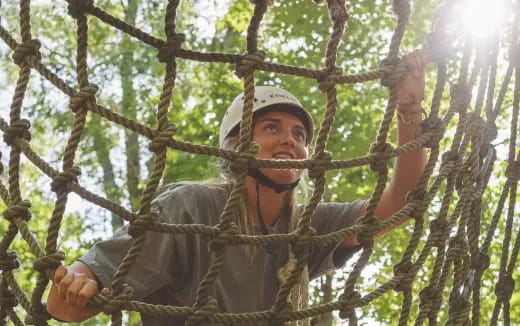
point(129, 108)
point(102, 149)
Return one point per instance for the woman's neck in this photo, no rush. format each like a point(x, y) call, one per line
point(271, 202)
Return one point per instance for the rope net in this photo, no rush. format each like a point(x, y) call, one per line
point(452, 237)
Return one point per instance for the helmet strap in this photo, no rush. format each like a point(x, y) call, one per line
point(265, 181)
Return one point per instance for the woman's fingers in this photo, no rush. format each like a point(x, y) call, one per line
point(89, 289)
point(64, 284)
point(60, 272)
point(75, 287)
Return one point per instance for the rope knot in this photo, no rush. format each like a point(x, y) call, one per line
point(116, 301)
point(435, 126)
point(470, 191)
point(20, 210)
point(476, 124)
point(85, 94)
point(401, 8)
point(349, 304)
point(329, 78)
point(140, 224)
point(18, 129)
point(218, 243)
point(505, 287)
point(380, 153)
point(77, 8)
point(418, 198)
point(393, 68)
point(9, 261)
point(483, 262)
point(461, 92)
point(161, 140)
point(366, 237)
point(490, 132)
point(404, 272)
point(171, 48)
point(241, 162)
point(27, 51)
point(316, 170)
point(459, 247)
point(248, 63)
point(513, 171)
point(50, 262)
point(201, 313)
point(226, 233)
point(437, 229)
point(61, 181)
point(304, 242)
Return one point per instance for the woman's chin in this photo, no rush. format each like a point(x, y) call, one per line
point(281, 176)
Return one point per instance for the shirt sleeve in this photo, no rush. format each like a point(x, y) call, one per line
point(156, 264)
point(331, 217)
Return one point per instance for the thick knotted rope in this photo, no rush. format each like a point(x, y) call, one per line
point(435, 125)
point(117, 300)
point(317, 170)
point(26, 52)
point(249, 63)
point(18, 129)
point(349, 304)
point(9, 261)
point(62, 181)
point(505, 287)
point(49, 262)
point(160, 142)
point(403, 272)
point(87, 93)
point(329, 78)
point(141, 224)
point(19, 210)
point(210, 307)
point(393, 69)
point(78, 8)
point(380, 153)
point(437, 229)
point(171, 48)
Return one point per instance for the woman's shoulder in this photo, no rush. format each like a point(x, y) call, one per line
point(193, 198)
point(189, 191)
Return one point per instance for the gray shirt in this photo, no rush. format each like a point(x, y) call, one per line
point(170, 267)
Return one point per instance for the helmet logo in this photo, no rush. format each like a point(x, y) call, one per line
point(278, 95)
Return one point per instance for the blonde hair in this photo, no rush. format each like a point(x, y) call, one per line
point(299, 293)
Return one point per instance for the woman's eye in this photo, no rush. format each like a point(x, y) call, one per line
point(299, 135)
point(271, 127)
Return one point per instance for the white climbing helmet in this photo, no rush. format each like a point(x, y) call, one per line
point(265, 97)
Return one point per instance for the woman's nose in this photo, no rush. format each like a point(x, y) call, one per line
point(287, 138)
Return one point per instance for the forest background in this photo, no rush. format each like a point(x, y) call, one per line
point(115, 162)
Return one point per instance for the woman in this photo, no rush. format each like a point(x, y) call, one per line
point(169, 269)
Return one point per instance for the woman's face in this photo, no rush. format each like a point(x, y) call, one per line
point(281, 136)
